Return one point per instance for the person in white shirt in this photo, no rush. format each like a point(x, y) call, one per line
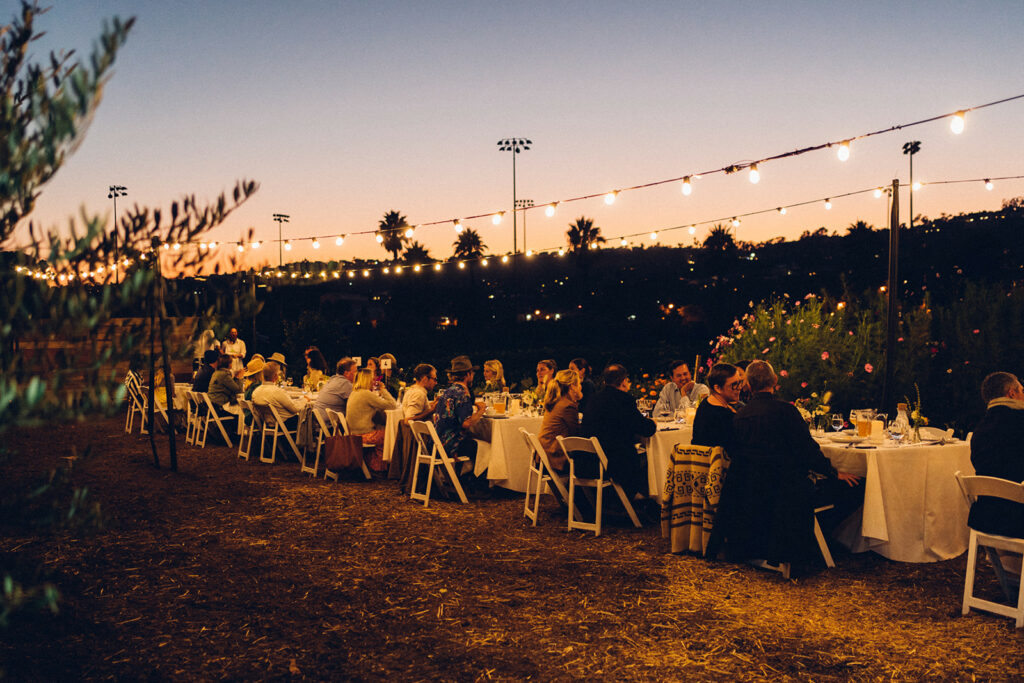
point(269, 393)
point(415, 404)
point(680, 392)
point(234, 348)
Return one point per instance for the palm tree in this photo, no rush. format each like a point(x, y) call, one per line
point(417, 253)
point(392, 228)
point(469, 245)
point(859, 228)
point(720, 239)
point(582, 234)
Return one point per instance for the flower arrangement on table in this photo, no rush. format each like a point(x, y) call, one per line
point(814, 406)
point(917, 418)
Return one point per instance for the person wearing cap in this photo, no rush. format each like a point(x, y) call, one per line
point(457, 413)
point(201, 382)
point(253, 375)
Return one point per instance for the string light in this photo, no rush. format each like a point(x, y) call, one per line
point(693, 230)
point(339, 240)
point(437, 266)
point(316, 244)
point(878, 193)
point(177, 246)
point(387, 270)
point(610, 197)
point(496, 218)
point(202, 246)
point(916, 186)
point(988, 184)
point(398, 270)
point(287, 246)
point(366, 272)
point(735, 222)
point(529, 252)
point(844, 150)
point(654, 235)
point(462, 265)
point(483, 262)
point(213, 245)
point(504, 259)
point(380, 238)
point(458, 227)
point(687, 187)
point(828, 204)
point(241, 247)
point(549, 210)
point(416, 268)
point(956, 124)
point(561, 251)
point(782, 210)
point(623, 242)
point(409, 232)
point(255, 245)
point(755, 175)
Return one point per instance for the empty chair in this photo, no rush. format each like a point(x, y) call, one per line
point(430, 451)
point(541, 474)
point(972, 488)
point(577, 444)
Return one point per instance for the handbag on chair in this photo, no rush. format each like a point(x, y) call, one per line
point(344, 452)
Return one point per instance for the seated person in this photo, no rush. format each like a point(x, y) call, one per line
point(587, 386)
point(316, 369)
point(225, 387)
point(997, 450)
point(253, 378)
point(494, 377)
point(457, 412)
point(613, 418)
point(546, 370)
point(368, 397)
point(767, 506)
point(561, 416)
point(334, 394)
point(712, 425)
point(160, 388)
point(201, 382)
point(282, 365)
point(680, 392)
point(415, 403)
point(269, 394)
point(389, 374)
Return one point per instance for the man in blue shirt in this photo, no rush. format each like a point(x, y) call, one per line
point(680, 392)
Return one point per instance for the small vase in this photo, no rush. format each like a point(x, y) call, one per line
point(915, 436)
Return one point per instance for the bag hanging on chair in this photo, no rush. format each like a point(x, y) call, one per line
point(344, 452)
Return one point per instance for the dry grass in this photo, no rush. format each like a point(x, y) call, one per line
point(232, 569)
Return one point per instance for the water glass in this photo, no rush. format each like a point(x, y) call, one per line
point(837, 422)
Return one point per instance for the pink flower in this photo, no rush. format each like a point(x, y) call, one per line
point(900, 339)
point(771, 339)
point(789, 322)
point(783, 373)
point(815, 325)
point(869, 368)
point(851, 333)
point(765, 351)
point(824, 355)
point(803, 385)
point(977, 331)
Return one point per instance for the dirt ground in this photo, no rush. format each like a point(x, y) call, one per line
point(231, 569)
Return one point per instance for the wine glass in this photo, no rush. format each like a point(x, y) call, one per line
point(837, 421)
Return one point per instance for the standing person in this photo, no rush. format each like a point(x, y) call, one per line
point(234, 348)
point(367, 399)
point(561, 416)
point(201, 382)
point(680, 392)
point(494, 377)
point(415, 404)
point(316, 368)
point(613, 418)
point(546, 370)
point(335, 393)
point(587, 386)
point(997, 450)
point(712, 425)
point(457, 413)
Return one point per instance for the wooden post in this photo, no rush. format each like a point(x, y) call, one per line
point(892, 290)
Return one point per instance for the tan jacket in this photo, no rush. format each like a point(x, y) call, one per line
point(562, 420)
point(362, 404)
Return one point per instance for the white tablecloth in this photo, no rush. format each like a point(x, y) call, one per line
point(913, 508)
point(659, 453)
point(506, 459)
point(395, 417)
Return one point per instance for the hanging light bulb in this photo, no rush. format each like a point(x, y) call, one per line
point(988, 184)
point(202, 246)
point(462, 265)
point(878, 192)
point(409, 232)
point(366, 272)
point(380, 238)
point(437, 266)
point(529, 252)
point(623, 242)
point(336, 275)
point(735, 222)
point(458, 227)
point(386, 270)
point(288, 246)
point(416, 268)
point(755, 175)
point(916, 186)
point(782, 210)
point(956, 124)
point(483, 262)
point(496, 218)
point(504, 259)
point(316, 243)
point(241, 247)
point(687, 187)
point(654, 235)
point(844, 150)
point(828, 204)
point(255, 245)
point(339, 240)
point(561, 251)
point(213, 245)
point(549, 211)
point(610, 197)
point(177, 246)
point(692, 230)
point(398, 270)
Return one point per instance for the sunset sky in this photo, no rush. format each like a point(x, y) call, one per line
point(343, 111)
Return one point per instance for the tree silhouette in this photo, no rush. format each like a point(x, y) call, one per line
point(859, 228)
point(719, 239)
point(392, 228)
point(582, 234)
point(469, 245)
point(417, 253)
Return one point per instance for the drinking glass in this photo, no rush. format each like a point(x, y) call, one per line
point(837, 421)
point(680, 415)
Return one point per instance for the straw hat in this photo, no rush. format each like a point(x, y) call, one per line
point(279, 358)
point(254, 366)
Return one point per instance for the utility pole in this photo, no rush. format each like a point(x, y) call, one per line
point(114, 192)
point(514, 145)
point(524, 204)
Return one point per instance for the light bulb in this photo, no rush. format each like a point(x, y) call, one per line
point(458, 228)
point(782, 210)
point(956, 124)
point(323, 274)
point(483, 262)
point(561, 252)
point(828, 204)
point(844, 151)
point(366, 273)
point(735, 222)
point(202, 245)
point(255, 245)
point(336, 275)
point(550, 210)
point(504, 259)
point(287, 246)
point(916, 186)
point(496, 218)
point(316, 244)
point(241, 247)
point(339, 240)
point(755, 175)
point(687, 187)
point(437, 266)
point(878, 192)
point(529, 252)
point(610, 197)
point(623, 242)
point(409, 232)
point(416, 268)
point(462, 265)
point(398, 270)
point(213, 245)
point(988, 184)
point(386, 270)
point(177, 246)
point(693, 230)
point(654, 235)
point(380, 238)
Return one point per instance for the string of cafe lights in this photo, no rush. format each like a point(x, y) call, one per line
point(365, 270)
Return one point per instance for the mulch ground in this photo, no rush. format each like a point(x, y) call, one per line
point(239, 570)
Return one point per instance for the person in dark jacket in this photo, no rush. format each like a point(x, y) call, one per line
point(997, 450)
point(712, 426)
point(768, 500)
point(613, 418)
point(201, 382)
point(587, 386)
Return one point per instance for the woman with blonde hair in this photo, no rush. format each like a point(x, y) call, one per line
point(561, 416)
point(494, 376)
point(363, 404)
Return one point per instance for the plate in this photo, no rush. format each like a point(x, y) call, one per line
point(847, 438)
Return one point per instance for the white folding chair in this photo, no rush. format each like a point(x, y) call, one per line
point(213, 416)
point(323, 430)
point(137, 403)
point(274, 425)
point(786, 568)
point(247, 430)
point(592, 445)
point(340, 425)
point(430, 451)
point(993, 487)
point(193, 416)
point(543, 473)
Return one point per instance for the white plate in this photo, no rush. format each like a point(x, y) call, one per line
point(846, 438)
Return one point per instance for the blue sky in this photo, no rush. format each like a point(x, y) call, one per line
point(342, 111)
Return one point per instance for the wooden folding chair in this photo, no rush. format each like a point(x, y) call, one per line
point(137, 403)
point(247, 430)
point(543, 474)
point(993, 487)
point(212, 416)
point(340, 425)
point(592, 445)
point(430, 451)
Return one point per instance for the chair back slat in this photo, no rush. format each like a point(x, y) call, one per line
point(994, 487)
